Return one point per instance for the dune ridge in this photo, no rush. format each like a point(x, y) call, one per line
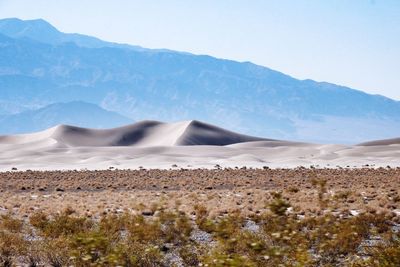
point(188, 144)
point(141, 134)
point(383, 142)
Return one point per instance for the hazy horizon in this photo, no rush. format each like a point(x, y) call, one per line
point(353, 44)
point(170, 86)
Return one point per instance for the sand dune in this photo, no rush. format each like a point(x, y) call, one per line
point(188, 144)
point(141, 134)
point(385, 142)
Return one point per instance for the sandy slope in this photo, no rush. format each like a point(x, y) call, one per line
point(385, 142)
point(190, 144)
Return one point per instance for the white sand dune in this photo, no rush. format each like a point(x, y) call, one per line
point(188, 144)
point(141, 134)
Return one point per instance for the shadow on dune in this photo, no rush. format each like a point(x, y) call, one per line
point(150, 133)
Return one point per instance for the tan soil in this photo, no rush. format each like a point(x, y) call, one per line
point(97, 192)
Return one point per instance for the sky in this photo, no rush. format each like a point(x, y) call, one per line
point(353, 43)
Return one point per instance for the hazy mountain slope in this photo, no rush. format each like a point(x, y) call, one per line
point(42, 31)
point(77, 113)
point(170, 86)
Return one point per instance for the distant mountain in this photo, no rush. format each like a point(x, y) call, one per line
point(40, 65)
point(42, 31)
point(77, 113)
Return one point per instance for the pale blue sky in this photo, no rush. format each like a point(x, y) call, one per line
point(354, 43)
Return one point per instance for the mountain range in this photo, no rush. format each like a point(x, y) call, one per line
point(41, 66)
point(77, 113)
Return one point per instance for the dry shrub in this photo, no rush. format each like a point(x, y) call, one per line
point(60, 225)
point(7, 222)
point(176, 227)
point(278, 205)
point(141, 230)
point(12, 245)
point(280, 239)
point(202, 219)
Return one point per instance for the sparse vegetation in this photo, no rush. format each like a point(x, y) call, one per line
point(171, 231)
point(280, 239)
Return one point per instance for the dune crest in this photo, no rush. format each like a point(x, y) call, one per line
point(140, 134)
point(200, 133)
point(384, 142)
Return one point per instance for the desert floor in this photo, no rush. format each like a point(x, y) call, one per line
point(96, 193)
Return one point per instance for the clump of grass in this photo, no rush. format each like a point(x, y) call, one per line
point(384, 255)
point(278, 206)
point(60, 225)
point(139, 231)
point(7, 222)
point(222, 260)
point(320, 184)
point(176, 227)
point(342, 195)
point(202, 219)
point(12, 245)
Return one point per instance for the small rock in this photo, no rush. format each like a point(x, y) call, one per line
point(147, 213)
point(397, 212)
point(200, 236)
point(251, 226)
point(354, 212)
point(173, 259)
point(166, 247)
